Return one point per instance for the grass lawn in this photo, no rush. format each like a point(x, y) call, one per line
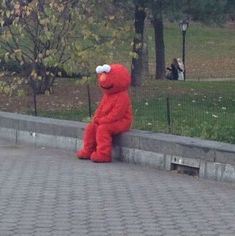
point(208, 117)
point(209, 50)
point(196, 109)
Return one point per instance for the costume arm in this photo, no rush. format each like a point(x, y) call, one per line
point(118, 111)
point(97, 112)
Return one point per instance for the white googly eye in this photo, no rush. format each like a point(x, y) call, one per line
point(106, 68)
point(99, 69)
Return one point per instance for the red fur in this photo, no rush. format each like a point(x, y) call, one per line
point(113, 115)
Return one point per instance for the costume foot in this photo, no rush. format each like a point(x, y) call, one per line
point(98, 158)
point(82, 154)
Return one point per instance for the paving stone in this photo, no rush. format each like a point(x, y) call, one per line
point(42, 234)
point(49, 192)
point(6, 232)
point(61, 233)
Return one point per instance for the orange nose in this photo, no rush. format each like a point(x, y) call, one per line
point(102, 77)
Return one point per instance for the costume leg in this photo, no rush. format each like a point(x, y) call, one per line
point(104, 144)
point(89, 140)
point(104, 140)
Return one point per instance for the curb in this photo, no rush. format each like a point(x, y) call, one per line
point(206, 159)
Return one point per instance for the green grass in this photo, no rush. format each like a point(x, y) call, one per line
point(81, 114)
point(209, 86)
point(208, 117)
point(78, 115)
point(215, 87)
point(200, 40)
point(209, 50)
point(197, 109)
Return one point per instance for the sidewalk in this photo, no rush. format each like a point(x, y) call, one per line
point(49, 192)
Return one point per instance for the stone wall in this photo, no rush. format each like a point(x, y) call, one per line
point(207, 159)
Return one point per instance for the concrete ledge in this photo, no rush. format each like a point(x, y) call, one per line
point(214, 160)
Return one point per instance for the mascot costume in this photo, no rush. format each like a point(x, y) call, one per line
point(113, 115)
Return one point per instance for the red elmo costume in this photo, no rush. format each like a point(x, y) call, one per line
point(113, 115)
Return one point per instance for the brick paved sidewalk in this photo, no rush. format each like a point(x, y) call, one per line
point(50, 192)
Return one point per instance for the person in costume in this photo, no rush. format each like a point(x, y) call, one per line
point(112, 116)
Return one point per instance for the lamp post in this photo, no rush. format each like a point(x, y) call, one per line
point(183, 27)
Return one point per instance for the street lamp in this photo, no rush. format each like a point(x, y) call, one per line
point(183, 27)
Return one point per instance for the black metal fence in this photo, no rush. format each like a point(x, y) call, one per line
point(209, 116)
point(180, 110)
point(190, 113)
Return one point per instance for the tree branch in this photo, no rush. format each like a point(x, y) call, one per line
point(9, 20)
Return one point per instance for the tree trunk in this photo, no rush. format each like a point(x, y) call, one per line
point(137, 64)
point(145, 56)
point(33, 86)
point(159, 48)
